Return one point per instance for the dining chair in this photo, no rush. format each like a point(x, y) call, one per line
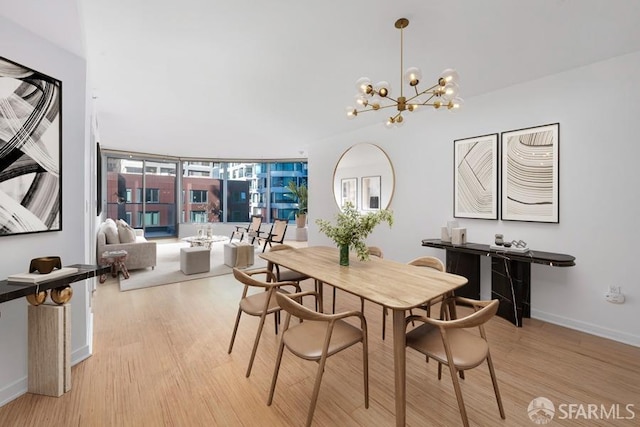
point(316, 338)
point(436, 264)
point(252, 230)
point(283, 274)
point(258, 304)
point(450, 343)
point(276, 234)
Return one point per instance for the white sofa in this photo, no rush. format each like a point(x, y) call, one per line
point(140, 252)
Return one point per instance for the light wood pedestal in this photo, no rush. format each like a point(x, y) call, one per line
point(49, 354)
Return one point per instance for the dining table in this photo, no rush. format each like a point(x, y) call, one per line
point(395, 285)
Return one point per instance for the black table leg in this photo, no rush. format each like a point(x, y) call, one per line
point(511, 284)
point(466, 265)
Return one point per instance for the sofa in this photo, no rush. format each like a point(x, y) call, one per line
point(118, 235)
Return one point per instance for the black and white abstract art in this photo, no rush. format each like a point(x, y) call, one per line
point(30, 150)
point(475, 179)
point(530, 186)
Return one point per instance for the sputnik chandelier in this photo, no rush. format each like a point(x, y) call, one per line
point(442, 95)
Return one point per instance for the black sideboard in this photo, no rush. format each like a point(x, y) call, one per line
point(14, 290)
point(510, 273)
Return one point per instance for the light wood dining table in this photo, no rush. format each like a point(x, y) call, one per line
point(392, 284)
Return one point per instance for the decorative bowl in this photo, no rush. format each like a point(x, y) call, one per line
point(45, 265)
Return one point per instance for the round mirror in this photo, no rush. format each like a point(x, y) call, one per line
point(364, 176)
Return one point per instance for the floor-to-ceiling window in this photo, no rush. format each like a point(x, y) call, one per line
point(142, 191)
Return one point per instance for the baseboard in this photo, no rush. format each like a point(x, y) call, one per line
point(589, 328)
point(19, 387)
point(80, 354)
point(13, 391)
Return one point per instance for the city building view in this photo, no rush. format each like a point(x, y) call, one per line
point(157, 195)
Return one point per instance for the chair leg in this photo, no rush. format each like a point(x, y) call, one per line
point(456, 387)
point(333, 306)
point(235, 329)
point(384, 321)
point(316, 389)
point(494, 380)
point(275, 372)
point(365, 369)
point(255, 343)
point(276, 320)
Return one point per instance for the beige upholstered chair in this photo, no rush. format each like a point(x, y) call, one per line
point(450, 343)
point(317, 338)
point(258, 304)
point(429, 262)
point(252, 230)
point(276, 234)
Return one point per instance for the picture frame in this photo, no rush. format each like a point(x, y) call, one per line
point(349, 191)
point(530, 174)
point(31, 171)
point(475, 179)
point(371, 187)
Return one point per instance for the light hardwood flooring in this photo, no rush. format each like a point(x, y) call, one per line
point(160, 359)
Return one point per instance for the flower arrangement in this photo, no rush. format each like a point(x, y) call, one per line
point(352, 228)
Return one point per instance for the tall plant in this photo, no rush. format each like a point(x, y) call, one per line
point(301, 193)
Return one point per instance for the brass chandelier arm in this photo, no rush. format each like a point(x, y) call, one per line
point(382, 107)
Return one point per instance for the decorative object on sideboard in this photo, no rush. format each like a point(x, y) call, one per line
point(519, 246)
point(499, 240)
point(458, 236)
point(374, 97)
point(45, 265)
point(444, 234)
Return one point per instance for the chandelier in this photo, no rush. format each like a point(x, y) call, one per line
point(442, 95)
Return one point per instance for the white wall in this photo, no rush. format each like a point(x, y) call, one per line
point(598, 111)
point(27, 49)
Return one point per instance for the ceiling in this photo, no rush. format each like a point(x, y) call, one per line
point(244, 78)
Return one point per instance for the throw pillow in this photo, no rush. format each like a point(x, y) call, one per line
point(126, 233)
point(111, 232)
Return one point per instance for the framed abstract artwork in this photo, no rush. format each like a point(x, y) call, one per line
point(30, 150)
point(370, 193)
point(530, 175)
point(349, 192)
point(475, 180)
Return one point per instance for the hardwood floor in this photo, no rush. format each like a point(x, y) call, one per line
point(160, 359)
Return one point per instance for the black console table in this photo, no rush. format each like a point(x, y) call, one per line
point(14, 290)
point(510, 273)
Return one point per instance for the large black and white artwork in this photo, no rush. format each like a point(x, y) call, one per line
point(30, 150)
point(530, 174)
point(475, 185)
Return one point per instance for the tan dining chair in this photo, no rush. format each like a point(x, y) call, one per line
point(260, 304)
point(450, 343)
point(436, 264)
point(316, 338)
point(283, 274)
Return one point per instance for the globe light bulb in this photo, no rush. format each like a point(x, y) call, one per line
point(361, 100)
point(450, 90)
point(412, 76)
point(450, 75)
point(382, 89)
point(455, 104)
point(364, 86)
point(351, 113)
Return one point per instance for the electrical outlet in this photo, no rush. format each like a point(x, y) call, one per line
point(614, 295)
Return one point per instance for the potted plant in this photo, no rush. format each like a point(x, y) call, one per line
point(300, 192)
point(352, 228)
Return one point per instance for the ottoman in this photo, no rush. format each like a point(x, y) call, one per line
point(238, 254)
point(195, 260)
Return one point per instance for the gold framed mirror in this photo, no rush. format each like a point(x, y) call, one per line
point(364, 176)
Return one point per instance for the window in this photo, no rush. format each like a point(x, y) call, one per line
point(153, 195)
point(129, 200)
point(150, 218)
point(198, 196)
point(198, 216)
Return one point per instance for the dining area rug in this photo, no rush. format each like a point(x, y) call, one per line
point(168, 271)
